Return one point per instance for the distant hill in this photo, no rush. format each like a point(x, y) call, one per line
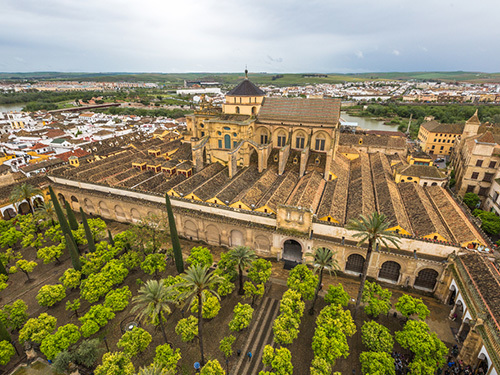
point(259, 78)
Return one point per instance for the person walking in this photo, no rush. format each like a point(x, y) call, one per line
point(249, 355)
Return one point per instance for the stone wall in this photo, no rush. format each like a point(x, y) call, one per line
point(228, 227)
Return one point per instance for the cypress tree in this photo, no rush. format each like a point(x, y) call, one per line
point(75, 258)
point(60, 216)
point(88, 233)
point(176, 245)
point(73, 224)
point(110, 238)
point(2, 269)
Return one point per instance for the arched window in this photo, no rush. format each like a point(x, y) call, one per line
point(426, 278)
point(281, 139)
point(254, 110)
point(227, 141)
point(355, 263)
point(320, 143)
point(300, 141)
point(238, 110)
point(389, 271)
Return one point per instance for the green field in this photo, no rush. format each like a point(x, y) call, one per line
point(175, 79)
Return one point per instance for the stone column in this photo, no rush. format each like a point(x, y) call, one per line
point(224, 238)
point(453, 311)
point(461, 329)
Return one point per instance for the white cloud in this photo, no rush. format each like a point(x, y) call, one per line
point(224, 35)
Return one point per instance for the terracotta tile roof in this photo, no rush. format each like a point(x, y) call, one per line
point(436, 127)
point(246, 88)
point(334, 200)
point(281, 190)
point(38, 146)
point(387, 194)
point(213, 185)
point(239, 185)
point(307, 192)
point(452, 216)
point(261, 186)
point(316, 111)
point(169, 184)
point(363, 140)
point(486, 280)
point(424, 218)
point(55, 133)
point(361, 200)
point(325, 204)
point(43, 164)
point(192, 183)
point(77, 152)
point(420, 171)
point(486, 137)
point(386, 132)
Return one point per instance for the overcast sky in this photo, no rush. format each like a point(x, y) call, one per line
point(269, 36)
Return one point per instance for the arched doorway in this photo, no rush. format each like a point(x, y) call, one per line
point(24, 208)
point(61, 198)
point(89, 206)
point(237, 238)
point(190, 230)
point(292, 250)
point(355, 263)
point(426, 279)
point(37, 202)
point(9, 213)
point(212, 234)
point(390, 271)
point(136, 215)
point(459, 311)
point(482, 364)
point(262, 243)
point(453, 295)
point(103, 208)
point(120, 213)
point(464, 330)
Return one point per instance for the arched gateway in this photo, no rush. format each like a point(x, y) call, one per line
point(292, 250)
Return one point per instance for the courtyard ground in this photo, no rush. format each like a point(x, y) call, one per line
point(252, 338)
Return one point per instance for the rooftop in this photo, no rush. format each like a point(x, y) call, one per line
point(246, 88)
point(302, 111)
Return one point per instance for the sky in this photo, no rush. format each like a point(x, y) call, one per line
point(275, 36)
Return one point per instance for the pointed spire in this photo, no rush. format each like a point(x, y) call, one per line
point(246, 72)
point(475, 118)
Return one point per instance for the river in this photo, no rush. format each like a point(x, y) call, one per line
point(11, 107)
point(368, 123)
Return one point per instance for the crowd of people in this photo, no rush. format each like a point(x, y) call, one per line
point(454, 366)
point(401, 363)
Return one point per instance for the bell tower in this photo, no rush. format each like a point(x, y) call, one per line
point(471, 126)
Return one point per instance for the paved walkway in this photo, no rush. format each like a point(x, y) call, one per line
point(260, 336)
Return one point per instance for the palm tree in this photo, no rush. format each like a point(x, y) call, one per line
point(196, 280)
point(323, 260)
point(24, 192)
point(46, 211)
point(153, 369)
point(243, 256)
point(374, 230)
point(151, 304)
